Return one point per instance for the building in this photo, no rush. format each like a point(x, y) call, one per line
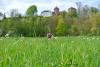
point(56, 11)
point(46, 13)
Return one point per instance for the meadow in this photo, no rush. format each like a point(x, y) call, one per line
point(78, 51)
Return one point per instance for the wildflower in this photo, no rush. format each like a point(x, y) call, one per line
point(1, 39)
point(61, 63)
point(55, 37)
point(51, 64)
point(97, 38)
point(7, 35)
point(72, 41)
point(84, 38)
point(87, 38)
point(93, 38)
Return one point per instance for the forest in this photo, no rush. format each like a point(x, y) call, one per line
point(80, 21)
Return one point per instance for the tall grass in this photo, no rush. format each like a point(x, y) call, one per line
point(41, 52)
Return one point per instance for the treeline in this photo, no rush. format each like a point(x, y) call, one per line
point(58, 25)
point(70, 23)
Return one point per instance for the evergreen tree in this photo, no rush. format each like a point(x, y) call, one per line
point(60, 29)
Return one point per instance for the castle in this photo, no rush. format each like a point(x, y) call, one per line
point(47, 13)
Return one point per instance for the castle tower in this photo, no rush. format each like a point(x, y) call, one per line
point(56, 11)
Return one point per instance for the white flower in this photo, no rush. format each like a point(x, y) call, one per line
point(52, 64)
point(84, 38)
point(87, 38)
point(55, 37)
point(61, 63)
point(1, 39)
point(93, 38)
point(97, 38)
point(7, 35)
point(72, 41)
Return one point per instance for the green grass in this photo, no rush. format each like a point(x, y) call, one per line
point(41, 52)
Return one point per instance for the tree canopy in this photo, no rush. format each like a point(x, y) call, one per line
point(32, 10)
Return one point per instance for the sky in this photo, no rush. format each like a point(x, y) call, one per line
point(22, 5)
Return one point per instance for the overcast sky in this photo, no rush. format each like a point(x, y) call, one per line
point(22, 5)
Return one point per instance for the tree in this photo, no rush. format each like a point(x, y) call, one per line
point(14, 13)
point(79, 8)
point(85, 11)
point(1, 16)
point(99, 6)
point(40, 26)
point(32, 10)
point(60, 29)
point(4, 16)
point(94, 9)
point(72, 12)
point(64, 13)
point(95, 24)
